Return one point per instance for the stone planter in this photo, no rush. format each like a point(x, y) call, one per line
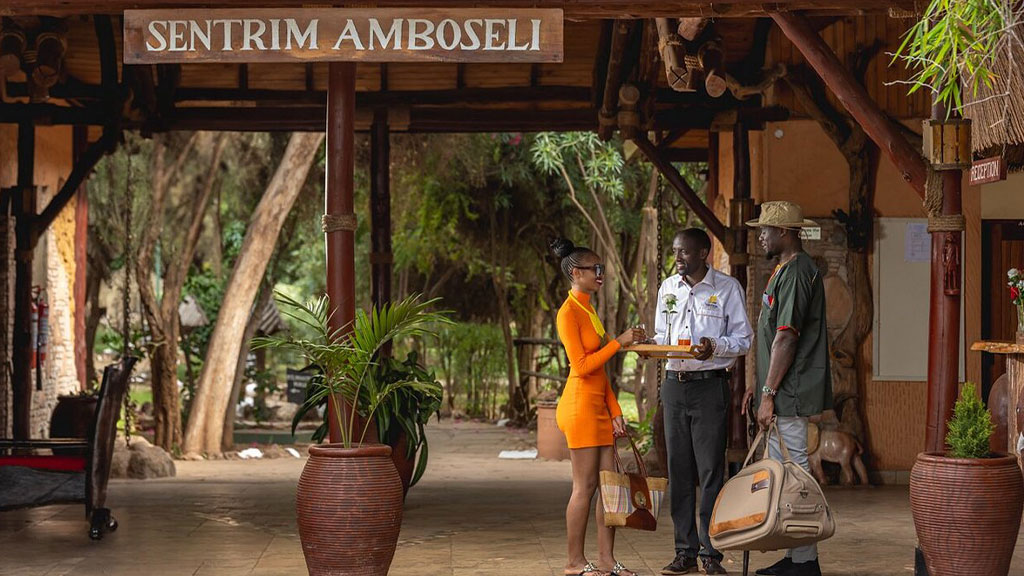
point(349, 507)
point(967, 512)
point(551, 442)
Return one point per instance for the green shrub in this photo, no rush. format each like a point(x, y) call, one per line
point(971, 426)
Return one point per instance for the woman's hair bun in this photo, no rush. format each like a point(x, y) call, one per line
point(562, 247)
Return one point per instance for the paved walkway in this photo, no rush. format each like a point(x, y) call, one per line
point(471, 515)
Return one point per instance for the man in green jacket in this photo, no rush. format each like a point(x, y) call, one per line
point(793, 376)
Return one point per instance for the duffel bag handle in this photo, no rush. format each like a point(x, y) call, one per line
point(757, 442)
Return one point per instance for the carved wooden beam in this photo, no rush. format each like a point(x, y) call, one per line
point(711, 62)
point(613, 79)
point(574, 9)
point(854, 98)
point(690, 28)
point(673, 54)
point(706, 215)
point(82, 169)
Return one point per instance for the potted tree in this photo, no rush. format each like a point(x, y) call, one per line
point(349, 497)
point(967, 502)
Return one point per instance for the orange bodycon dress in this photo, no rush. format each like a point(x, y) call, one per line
point(587, 405)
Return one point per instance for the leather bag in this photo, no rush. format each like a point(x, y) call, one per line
point(631, 500)
point(770, 505)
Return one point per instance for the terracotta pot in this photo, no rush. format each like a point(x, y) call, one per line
point(551, 442)
point(349, 506)
point(967, 512)
point(72, 417)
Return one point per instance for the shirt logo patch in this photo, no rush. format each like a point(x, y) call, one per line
point(712, 301)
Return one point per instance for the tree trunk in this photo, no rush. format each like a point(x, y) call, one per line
point(206, 426)
point(166, 402)
point(227, 438)
point(162, 314)
point(98, 273)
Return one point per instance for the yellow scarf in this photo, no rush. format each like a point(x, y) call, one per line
point(598, 326)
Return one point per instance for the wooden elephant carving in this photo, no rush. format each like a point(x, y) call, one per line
point(840, 447)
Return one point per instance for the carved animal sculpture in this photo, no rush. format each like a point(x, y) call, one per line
point(841, 448)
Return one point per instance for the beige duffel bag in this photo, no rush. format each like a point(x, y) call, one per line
point(770, 505)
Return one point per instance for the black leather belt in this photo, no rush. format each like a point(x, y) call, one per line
point(684, 376)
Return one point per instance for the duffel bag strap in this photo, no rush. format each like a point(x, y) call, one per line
point(765, 436)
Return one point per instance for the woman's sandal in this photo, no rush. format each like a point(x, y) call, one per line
point(589, 570)
point(619, 568)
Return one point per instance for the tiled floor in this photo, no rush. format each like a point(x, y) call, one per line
point(472, 515)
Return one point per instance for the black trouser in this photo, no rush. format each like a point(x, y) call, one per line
point(695, 434)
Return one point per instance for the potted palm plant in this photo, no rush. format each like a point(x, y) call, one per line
point(349, 497)
point(967, 502)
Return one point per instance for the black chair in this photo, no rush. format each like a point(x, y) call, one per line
point(30, 480)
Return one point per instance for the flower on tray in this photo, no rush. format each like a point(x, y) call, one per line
point(670, 303)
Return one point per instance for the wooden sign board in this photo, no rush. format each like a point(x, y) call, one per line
point(988, 170)
point(341, 34)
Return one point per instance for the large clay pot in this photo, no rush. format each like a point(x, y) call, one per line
point(551, 442)
point(967, 512)
point(72, 417)
point(349, 505)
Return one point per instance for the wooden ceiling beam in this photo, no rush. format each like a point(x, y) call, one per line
point(574, 9)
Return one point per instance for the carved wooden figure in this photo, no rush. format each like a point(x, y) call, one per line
point(838, 447)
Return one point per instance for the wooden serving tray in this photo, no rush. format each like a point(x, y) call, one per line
point(661, 352)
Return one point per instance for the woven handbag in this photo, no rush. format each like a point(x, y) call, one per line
point(631, 500)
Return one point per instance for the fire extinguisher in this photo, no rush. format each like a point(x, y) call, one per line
point(34, 327)
point(44, 327)
point(40, 324)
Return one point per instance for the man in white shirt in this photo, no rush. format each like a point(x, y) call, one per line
point(704, 308)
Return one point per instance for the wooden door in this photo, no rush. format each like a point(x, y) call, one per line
point(1002, 248)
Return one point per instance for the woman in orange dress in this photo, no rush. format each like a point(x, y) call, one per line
point(588, 412)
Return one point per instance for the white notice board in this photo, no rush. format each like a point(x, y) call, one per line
point(902, 281)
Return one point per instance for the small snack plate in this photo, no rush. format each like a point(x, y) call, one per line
point(661, 352)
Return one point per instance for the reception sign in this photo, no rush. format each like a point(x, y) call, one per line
point(342, 34)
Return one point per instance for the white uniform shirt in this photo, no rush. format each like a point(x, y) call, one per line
point(715, 308)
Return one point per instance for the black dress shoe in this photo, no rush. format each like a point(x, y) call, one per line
point(683, 564)
point(804, 569)
point(777, 569)
point(712, 565)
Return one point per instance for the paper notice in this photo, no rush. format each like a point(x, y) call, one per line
point(917, 245)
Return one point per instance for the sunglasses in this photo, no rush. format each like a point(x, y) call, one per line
point(597, 268)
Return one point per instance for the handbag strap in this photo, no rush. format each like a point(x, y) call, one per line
point(636, 454)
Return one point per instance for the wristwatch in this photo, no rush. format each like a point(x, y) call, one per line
point(768, 391)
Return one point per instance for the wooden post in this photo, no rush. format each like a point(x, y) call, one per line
point(944, 310)
point(381, 257)
point(339, 219)
point(80, 138)
point(24, 209)
point(741, 208)
point(854, 97)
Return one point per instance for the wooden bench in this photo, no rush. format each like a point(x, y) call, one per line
point(30, 479)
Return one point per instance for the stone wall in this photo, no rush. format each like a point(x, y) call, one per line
point(53, 270)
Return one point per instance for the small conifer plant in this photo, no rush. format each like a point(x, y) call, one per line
point(971, 427)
